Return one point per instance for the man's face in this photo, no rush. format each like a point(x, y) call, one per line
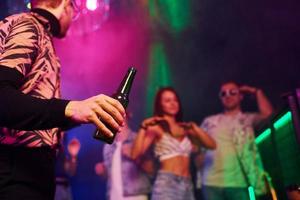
point(230, 96)
point(66, 18)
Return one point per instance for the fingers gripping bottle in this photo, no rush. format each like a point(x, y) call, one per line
point(122, 95)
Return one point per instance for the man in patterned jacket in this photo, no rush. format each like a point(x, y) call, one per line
point(31, 111)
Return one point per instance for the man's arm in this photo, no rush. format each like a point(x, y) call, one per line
point(19, 50)
point(263, 103)
point(24, 112)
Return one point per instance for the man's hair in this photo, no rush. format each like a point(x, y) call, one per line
point(230, 82)
point(48, 3)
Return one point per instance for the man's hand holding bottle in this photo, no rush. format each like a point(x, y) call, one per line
point(99, 110)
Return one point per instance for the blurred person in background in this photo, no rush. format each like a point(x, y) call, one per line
point(293, 192)
point(198, 161)
point(127, 179)
point(172, 140)
point(231, 168)
point(66, 167)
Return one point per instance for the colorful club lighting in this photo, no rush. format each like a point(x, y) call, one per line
point(284, 120)
point(159, 74)
point(251, 193)
point(91, 4)
point(264, 135)
point(28, 5)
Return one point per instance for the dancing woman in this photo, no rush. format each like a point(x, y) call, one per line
point(172, 140)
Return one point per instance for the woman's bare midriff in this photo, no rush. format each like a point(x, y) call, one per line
point(178, 165)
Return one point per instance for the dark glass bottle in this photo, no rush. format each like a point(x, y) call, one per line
point(122, 95)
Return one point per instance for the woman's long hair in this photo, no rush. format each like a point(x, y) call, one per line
point(158, 111)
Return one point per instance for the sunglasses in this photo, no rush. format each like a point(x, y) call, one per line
point(227, 93)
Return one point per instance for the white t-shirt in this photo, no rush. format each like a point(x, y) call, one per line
point(234, 136)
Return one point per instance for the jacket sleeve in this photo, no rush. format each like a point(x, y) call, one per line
point(18, 50)
point(24, 112)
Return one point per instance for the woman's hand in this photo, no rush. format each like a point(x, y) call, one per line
point(145, 137)
point(191, 128)
point(73, 148)
point(152, 121)
point(100, 169)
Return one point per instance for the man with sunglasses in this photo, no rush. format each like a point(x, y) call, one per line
point(231, 168)
point(31, 111)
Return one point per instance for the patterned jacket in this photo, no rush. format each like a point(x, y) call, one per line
point(27, 52)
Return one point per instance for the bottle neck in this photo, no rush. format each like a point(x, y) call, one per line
point(126, 84)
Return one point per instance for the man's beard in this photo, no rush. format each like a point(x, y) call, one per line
point(232, 107)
